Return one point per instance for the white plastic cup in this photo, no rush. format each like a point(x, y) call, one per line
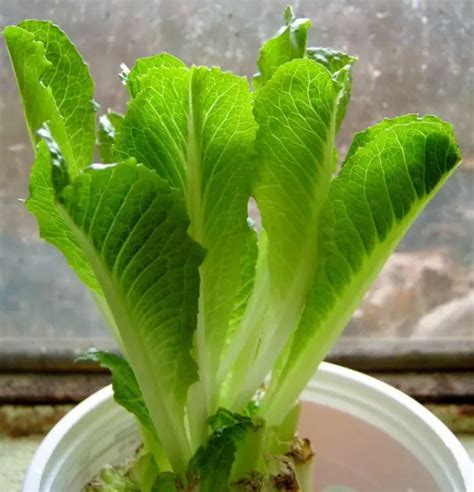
point(367, 436)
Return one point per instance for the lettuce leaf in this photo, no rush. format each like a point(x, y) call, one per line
point(124, 383)
point(195, 128)
point(56, 87)
point(391, 172)
point(296, 113)
point(132, 229)
point(287, 44)
point(340, 65)
point(212, 462)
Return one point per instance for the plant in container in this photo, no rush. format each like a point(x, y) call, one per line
point(222, 326)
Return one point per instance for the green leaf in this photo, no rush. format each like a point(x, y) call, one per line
point(124, 383)
point(340, 66)
point(391, 172)
point(109, 126)
point(288, 43)
point(127, 393)
point(132, 229)
point(212, 463)
point(55, 87)
point(42, 204)
point(195, 128)
point(143, 65)
point(295, 112)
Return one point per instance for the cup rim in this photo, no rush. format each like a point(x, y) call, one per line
point(335, 388)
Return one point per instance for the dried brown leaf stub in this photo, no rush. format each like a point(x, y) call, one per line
point(252, 483)
point(301, 451)
point(286, 479)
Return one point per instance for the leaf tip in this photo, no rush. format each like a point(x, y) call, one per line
point(289, 14)
point(123, 74)
point(89, 354)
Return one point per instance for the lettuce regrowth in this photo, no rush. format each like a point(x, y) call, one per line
point(220, 325)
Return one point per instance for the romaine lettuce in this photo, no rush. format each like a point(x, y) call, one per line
point(205, 309)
